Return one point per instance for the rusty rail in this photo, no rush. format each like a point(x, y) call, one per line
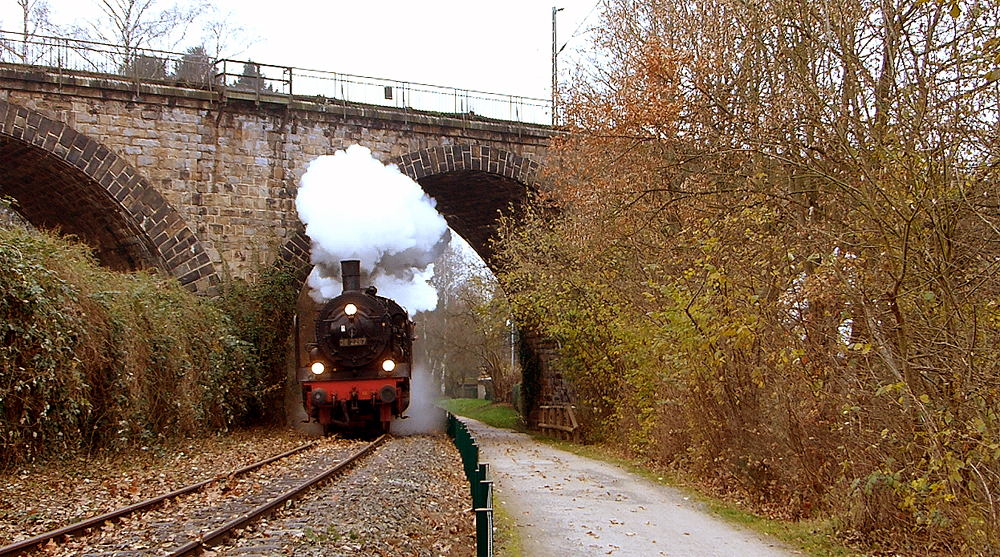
point(217, 536)
point(94, 522)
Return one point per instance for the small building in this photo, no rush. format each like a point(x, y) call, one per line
point(481, 388)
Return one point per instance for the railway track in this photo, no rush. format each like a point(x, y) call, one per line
point(409, 498)
point(186, 521)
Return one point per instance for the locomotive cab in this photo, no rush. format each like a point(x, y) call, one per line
point(360, 363)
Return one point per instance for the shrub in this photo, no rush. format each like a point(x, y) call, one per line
point(92, 359)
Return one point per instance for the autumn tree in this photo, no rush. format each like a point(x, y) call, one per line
point(35, 20)
point(134, 25)
point(468, 336)
point(486, 313)
point(137, 24)
point(195, 67)
point(223, 36)
point(774, 257)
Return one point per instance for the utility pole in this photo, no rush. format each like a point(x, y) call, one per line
point(555, 79)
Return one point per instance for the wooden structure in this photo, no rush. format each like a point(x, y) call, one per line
point(559, 421)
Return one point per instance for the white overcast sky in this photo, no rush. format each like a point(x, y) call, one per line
point(499, 47)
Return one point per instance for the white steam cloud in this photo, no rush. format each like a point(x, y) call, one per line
point(354, 207)
point(422, 416)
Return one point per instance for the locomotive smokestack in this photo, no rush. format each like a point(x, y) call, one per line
point(350, 271)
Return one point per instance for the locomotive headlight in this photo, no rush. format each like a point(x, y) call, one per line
point(350, 310)
point(318, 368)
point(388, 365)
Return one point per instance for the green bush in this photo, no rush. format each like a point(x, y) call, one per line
point(91, 359)
point(261, 311)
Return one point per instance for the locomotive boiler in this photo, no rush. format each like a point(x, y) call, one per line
point(360, 363)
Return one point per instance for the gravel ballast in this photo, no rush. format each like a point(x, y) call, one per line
point(409, 498)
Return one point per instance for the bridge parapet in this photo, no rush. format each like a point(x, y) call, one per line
point(257, 81)
point(228, 165)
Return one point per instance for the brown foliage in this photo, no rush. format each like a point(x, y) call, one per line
point(775, 262)
point(467, 337)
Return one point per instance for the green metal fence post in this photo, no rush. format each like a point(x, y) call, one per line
point(480, 484)
point(483, 504)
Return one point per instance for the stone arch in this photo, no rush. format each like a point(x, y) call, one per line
point(64, 179)
point(475, 158)
point(470, 183)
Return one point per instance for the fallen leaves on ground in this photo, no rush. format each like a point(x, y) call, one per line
point(48, 495)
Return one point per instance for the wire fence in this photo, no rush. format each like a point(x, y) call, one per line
point(198, 70)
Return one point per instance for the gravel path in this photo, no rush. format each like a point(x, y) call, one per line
point(565, 504)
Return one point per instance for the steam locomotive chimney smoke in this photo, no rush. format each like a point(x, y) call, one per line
point(356, 208)
point(350, 271)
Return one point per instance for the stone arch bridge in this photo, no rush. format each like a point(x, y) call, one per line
point(192, 181)
point(195, 181)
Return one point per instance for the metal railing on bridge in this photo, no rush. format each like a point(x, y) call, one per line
point(196, 69)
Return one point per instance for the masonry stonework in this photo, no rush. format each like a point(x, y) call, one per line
point(200, 183)
point(227, 168)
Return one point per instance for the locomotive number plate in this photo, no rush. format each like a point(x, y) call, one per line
point(353, 341)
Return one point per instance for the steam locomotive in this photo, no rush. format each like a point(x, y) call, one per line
point(360, 364)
